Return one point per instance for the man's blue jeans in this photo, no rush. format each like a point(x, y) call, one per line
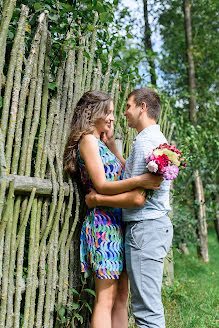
point(146, 244)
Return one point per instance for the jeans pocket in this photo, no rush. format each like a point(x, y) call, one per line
point(165, 235)
point(137, 234)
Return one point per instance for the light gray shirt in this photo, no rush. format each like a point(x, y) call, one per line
point(158, 205)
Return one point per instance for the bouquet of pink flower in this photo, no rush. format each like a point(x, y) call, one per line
point(165, 160)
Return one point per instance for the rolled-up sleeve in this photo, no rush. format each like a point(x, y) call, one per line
point(141, 150)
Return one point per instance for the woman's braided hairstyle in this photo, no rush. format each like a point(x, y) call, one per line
point(92, 106)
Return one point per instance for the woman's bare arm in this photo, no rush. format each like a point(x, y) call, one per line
point(111, 144)
point(109, 140)
point(89, 151)
point(134, 198)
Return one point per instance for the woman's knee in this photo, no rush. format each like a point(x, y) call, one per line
point(105, 303)
point(122, 290)
point(122, 296)
point(106, 294)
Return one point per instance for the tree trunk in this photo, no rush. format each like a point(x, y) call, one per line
point(148, 44)
point(184, 249)
point(216, 222)
point(201, 216)
point(191, 65)
point(198, 186)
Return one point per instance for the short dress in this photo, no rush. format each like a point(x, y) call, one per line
point(101, 242)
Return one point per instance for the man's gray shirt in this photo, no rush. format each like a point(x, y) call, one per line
point(157, 206)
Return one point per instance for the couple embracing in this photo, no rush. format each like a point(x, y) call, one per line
point(125, 236)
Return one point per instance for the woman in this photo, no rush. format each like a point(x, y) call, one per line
point(101, 236)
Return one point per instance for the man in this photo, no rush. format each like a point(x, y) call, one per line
point(148, 232)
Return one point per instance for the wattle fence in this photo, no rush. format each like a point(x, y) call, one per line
point(40, 207)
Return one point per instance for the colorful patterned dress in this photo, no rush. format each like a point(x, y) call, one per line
point(101, 243)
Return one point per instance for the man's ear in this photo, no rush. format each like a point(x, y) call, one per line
point(143, 107)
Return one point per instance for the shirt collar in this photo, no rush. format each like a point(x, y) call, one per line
point(150, 129)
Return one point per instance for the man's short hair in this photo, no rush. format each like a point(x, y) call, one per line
point(151, 98)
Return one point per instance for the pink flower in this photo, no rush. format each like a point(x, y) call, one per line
point(162, 146)
point(165, 160)
point(152, 166)
point(162, 161)
point(170, 147)
point(149, 158)
point(171, 172)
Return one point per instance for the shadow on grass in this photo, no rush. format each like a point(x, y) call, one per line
point(193, 299)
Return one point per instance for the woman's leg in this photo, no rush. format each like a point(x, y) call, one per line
point(106, 290)
point(120, 312)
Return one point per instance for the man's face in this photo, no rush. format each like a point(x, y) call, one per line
point(132, 112)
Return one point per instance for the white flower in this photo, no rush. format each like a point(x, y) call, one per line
point(152, 166)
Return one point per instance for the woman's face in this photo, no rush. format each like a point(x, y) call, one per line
point(103, 125)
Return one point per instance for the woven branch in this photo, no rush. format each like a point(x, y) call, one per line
point(37, 227)
point(23, 185)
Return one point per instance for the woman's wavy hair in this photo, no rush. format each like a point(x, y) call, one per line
point(92, 106)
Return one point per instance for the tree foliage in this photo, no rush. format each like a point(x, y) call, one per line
point(201, 142)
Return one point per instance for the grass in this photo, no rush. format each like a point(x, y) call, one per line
point(193, 299)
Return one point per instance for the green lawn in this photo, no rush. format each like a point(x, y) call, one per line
point(193, 299)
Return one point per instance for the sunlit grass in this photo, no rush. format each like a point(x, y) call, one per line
point(193, 299)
